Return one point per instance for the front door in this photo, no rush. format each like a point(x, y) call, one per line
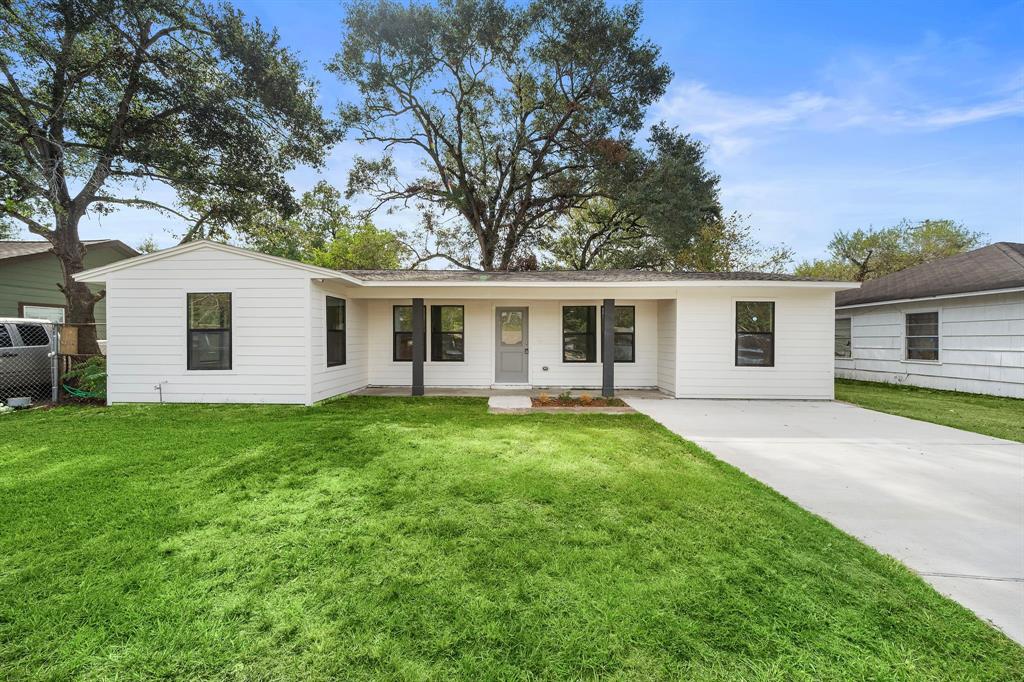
point(512, 346)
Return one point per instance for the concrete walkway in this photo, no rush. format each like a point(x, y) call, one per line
point(947, 503)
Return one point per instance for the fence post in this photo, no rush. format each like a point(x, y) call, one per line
point(55, 363)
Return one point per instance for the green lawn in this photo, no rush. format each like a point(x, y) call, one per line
point(988, 414)
point(425, 539)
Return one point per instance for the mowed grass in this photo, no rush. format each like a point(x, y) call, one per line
point(987, 414)
point(420, 539)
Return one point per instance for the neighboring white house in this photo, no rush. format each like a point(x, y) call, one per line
point(205, 322)
point(955, 324)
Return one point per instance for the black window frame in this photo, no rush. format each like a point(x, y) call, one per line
point(907, 336)
point(616, 335)
point(849, 352)
point(395, 333)
point(591, 347)
point(737, 332)
point(437, 335)
point(224, 330)
point(335, 334)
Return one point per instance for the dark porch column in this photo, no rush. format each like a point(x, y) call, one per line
point(419, 344)
point(608, 348)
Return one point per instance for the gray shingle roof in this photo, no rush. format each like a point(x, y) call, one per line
point(997, 266)
point(557, 276)
point(20, 249)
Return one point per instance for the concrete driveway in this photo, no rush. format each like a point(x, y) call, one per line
point(947, 503)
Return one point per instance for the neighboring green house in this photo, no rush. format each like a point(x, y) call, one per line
point(29, 273)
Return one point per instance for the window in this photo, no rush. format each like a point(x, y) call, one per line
point(923, 336)
point(447, 333)
point(5, 336)
point(335, 331)
point(624, 333)
point(33, 335)
point(53, 313)
point(402, 346)
point(755, 334)
point(209, 331)
point(579, 337)
point(844, 345)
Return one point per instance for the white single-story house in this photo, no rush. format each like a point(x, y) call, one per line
point(955, 324)
point(206, 322)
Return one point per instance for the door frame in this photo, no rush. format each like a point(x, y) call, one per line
point(496, 339)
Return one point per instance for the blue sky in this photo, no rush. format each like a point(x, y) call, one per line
point(819, 116)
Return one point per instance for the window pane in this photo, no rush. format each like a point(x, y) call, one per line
point(623, 347)
point(210, 350)
point(924, 329)
point(625, 318)
point(43, 312)
point(844, 348)
point(577, 318)
point(578, 348)
point(511, 327)
point(33, 335)
point(209, 311)
point(5, 336)
point(403, 346)
point(755, 316)
point(335, 348)
point(451, 318)
point(451, 347)
point(403, 318)
point(754, 350)
point(335, 314)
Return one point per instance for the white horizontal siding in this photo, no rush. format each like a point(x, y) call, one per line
point(354, 374)
point(981, 345)
point(804, 345)
point(545, 347)
point(667, 346)
point(148, 336)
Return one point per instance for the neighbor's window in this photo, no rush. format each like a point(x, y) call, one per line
point(447, 333)
point(624, 333)
point(43, 312)
point(335, 331)
point(844, 345)
point(579, 333)
point(755, 334)
point(923, 336)
point(209, 331)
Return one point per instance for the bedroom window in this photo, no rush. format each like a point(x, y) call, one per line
point(579, 333)
point(335, 331)
point(447, 333)
point(755, 334)
point(844, 338)
point(209, 331)
point(922, 334)
point(624, 332)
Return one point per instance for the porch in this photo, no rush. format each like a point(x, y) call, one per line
point(399, 391)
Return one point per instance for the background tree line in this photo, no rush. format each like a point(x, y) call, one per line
point(523, 119)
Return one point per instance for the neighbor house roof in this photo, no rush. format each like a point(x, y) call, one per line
point(21, 249)
point(559, 276)
point(991, 268)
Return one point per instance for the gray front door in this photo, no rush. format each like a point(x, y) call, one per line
point(511, 346)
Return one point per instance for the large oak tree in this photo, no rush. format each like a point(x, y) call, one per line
point(515, 113)
point(102, 99)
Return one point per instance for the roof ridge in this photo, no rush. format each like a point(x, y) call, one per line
point(1013, 254)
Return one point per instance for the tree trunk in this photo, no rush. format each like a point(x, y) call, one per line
point(81, 301)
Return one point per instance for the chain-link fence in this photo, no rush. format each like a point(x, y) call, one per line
point(48, 362)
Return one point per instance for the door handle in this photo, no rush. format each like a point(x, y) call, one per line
point(526, 351)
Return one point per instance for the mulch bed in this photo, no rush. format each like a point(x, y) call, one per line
point(558, 401)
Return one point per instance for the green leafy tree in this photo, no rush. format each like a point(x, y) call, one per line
point(101, 99)
point(866, 254)
point(325, 232)
point(728, 245)
point(513, 112)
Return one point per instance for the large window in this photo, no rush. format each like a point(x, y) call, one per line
point(844, 338)
point(923, 336)
point(624, 332)
point(579, 333)
point(335, 331)
point(53, 313)
point(755, 334)
point(209, 331)
point(447, 333)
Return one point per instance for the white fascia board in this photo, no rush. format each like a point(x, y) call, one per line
point(940, 297)
point(99, 274)
point(667, 284)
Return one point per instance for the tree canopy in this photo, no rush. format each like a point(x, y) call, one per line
point(515, 113)
point(100, 100)
point(866, 254)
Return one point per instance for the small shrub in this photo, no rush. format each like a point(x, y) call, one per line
point(543, 398)
point(585, 399)
point(90, 376)
point(565, 396)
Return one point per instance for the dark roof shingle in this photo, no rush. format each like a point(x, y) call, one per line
point(20, 249)
point(997, 266)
